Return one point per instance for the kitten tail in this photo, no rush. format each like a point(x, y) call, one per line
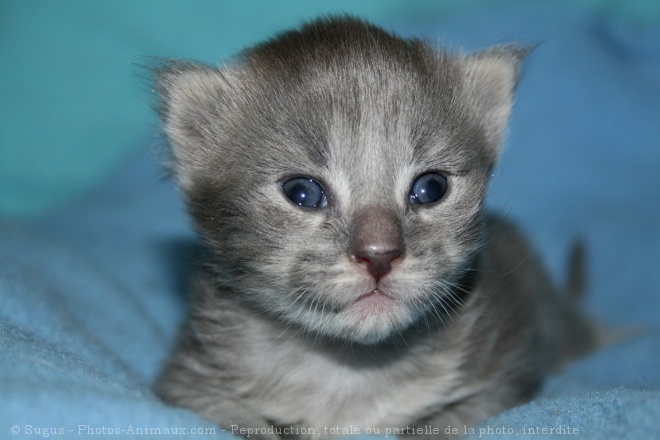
point(595, 334)
point(579, 333)
point(576, 282)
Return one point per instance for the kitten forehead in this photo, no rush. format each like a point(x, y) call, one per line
point(382, 99)
point(365, 83)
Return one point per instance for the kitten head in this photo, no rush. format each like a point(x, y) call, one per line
point(338, 172)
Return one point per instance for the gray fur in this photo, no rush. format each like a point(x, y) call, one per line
point(273, 336)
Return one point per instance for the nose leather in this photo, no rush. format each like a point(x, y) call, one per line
point(376, 240)
point(378, 264)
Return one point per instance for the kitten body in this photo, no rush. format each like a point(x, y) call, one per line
point(375, 307)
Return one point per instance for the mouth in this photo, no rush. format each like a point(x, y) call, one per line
point(373, 299)
point(366, 318)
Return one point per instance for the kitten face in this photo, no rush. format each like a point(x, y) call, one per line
point(392, 142)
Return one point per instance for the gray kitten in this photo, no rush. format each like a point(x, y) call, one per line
point(337, 174)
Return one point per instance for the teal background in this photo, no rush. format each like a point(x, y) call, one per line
point(74, 105)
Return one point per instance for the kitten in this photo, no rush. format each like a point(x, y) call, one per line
point(337, 174)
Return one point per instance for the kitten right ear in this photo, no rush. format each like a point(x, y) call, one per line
point(491, 77)
point(192, 98)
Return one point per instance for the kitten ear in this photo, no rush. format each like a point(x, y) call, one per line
point(192, 99)
point(491, 77)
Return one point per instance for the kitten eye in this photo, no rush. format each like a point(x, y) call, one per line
point(427, 188)
point(306, 192)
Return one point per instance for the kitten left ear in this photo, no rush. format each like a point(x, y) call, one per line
point(192, 103)
point(491, 77)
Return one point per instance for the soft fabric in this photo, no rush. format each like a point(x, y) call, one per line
point(91, 296)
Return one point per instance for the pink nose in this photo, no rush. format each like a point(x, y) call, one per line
point(376, 240)
point(378, 262)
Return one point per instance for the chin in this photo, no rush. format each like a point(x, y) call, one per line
point(371, 321)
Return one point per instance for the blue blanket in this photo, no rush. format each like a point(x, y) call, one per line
point(91, 295)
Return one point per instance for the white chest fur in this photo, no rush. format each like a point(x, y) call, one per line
point(312, 390)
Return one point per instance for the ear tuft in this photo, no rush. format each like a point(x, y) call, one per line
point(491, 77)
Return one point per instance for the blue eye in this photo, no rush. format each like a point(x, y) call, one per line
point(306, 192)
point(427, 188)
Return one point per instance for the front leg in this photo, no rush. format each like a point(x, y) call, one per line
point(241, 421)
point(460, 418)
